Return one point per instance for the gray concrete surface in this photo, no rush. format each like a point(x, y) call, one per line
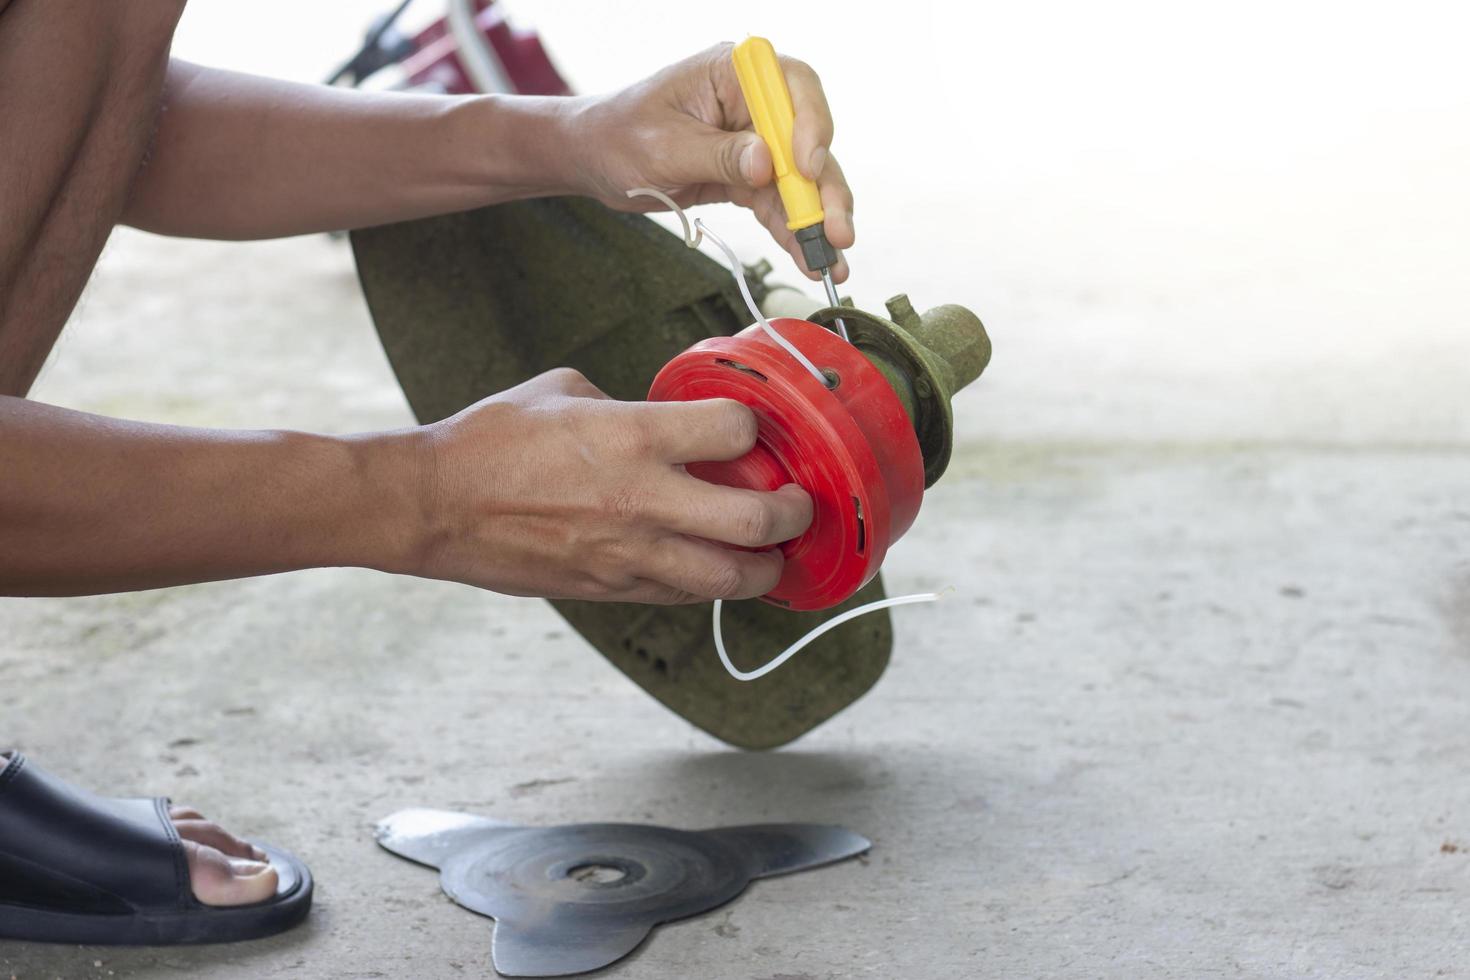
point(1197, 706)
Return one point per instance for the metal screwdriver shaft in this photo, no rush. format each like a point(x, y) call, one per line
point(820, 256)
point(832, 298)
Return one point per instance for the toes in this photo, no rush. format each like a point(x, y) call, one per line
point(218, 879)
point(212, 835)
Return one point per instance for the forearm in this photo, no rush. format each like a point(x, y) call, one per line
point(238, 156)
point(91, 504)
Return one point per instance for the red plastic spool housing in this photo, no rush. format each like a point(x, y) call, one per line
point(852, 447)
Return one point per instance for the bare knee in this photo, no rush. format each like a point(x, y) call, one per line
point(73, 146)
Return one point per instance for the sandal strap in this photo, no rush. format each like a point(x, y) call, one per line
point(124, 847)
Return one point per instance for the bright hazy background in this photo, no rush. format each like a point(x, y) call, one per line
point(1243, 221)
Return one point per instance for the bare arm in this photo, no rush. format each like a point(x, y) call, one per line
point(240, 156)
point(549, 489)
point(91, 504)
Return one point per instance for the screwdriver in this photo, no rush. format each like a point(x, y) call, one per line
point(774, 117)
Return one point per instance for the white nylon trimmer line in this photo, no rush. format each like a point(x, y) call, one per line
point(693, 235)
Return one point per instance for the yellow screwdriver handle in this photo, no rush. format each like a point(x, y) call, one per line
point(769, 102)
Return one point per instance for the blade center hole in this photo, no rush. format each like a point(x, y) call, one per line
point(596, 874)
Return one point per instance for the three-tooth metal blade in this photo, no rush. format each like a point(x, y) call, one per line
point(578, 897)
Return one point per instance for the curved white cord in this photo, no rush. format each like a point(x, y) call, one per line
point(795, 648)
point(692, 237)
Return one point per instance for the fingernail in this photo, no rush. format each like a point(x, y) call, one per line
point(247, 869)
point(816, 162)
point(257, 853)
point(747, 162)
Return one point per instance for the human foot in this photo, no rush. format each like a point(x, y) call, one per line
point(223, 869)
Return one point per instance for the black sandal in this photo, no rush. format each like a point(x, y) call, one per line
point(80, 868)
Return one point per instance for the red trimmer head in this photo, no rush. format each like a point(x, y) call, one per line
point(850, 446)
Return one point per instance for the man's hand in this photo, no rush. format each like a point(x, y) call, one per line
point(554, 489)
point(686, 131)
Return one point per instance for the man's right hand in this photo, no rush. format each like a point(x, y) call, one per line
point(554, 489)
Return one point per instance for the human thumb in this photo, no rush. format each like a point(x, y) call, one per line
point(739, 159)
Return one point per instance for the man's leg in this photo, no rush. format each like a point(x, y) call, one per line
point(81, 83)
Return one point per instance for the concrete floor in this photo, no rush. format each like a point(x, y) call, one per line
point(1197, 706)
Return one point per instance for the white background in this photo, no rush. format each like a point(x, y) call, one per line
point(1248, 201)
